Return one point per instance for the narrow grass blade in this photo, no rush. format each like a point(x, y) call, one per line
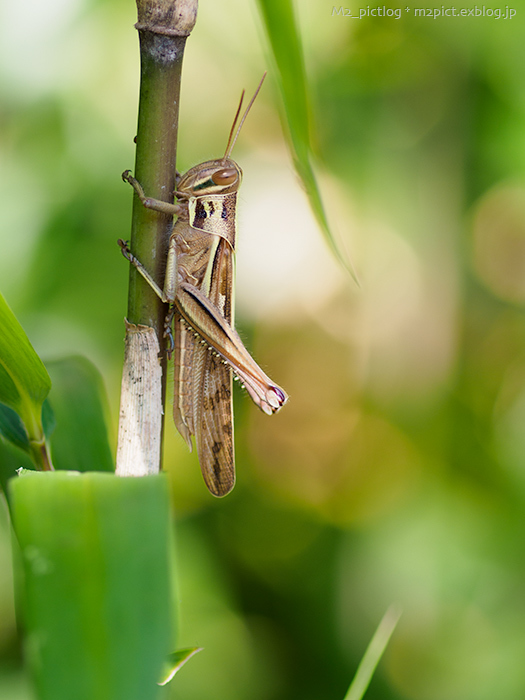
point(286, 47)
point(373, 654)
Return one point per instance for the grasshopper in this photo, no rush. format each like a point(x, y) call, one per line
point(198, 287)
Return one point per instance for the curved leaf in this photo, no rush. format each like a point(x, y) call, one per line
point(12, 429)
point(23, 378)
point(285, 42)
point(24, 383)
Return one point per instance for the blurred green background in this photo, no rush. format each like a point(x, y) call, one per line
point(396, 473)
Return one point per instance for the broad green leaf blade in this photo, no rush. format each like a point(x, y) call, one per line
point(24, 382)
point(286, 47)
point(80, 440)
point(175, 662)
point(373, 654)
point(95, 550)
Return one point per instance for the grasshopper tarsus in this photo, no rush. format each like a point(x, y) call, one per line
point(124, 248)
point(126, 252)
point(149, 202)
point(128, 177)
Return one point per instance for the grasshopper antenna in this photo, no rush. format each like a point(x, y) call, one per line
point(235, 133)
point(228, 149)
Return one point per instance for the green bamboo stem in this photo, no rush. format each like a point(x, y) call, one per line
point(163, 26)
point(155, 170)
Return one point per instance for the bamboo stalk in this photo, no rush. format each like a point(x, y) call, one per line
point(163, 26)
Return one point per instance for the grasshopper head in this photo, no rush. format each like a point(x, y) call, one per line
point(221, 176)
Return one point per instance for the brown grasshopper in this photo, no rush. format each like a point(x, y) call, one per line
point(198, 287)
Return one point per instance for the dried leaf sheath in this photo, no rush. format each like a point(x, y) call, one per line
point(140, 420)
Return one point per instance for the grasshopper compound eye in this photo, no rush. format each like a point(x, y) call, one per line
point(226, 176)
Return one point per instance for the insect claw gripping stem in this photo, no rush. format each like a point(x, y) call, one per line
point(128, 177)
point(124, 248)
point(150, 202)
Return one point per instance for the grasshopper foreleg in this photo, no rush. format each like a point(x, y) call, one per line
point(150, 202)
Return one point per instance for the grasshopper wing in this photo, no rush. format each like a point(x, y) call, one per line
point(202, 402)
point(212, 387)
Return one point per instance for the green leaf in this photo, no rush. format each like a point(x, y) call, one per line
point(24, 382)
point(12, 428)
point(23, 377)
point(78, 400)
point(95, 550)
point(15, 449)
point(48, 419)
point(175, 662)
point(373, 654)
point(286, 47)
